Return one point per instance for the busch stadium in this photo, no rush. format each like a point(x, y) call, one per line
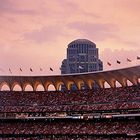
point(90, 111)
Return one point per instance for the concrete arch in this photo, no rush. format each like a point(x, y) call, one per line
point(122, 81)
point(129, 83)
point(74, 82)
point(79, 84)
point(138, 80)
point(59, 84)
point(112, 82)
point(37, 84)
point(4, 84)
point(69, 85)
point(47, 84)
point(129, 80)
point(14, 86)
point(28, 84)
point(51, 87)
point(118, 84)
point(107, 85)
point(84, 83)
point(97, 78)
point(40, 87)
point(90, 83)
point(135, 80)
point(101, 83)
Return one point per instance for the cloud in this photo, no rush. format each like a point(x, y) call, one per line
point(98, 31)
point(45, 34)
point(131, 44)
point(37, 28)
point(102, 32)
point(8, 6)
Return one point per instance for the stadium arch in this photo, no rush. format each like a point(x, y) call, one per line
point(107, 85)
point(90, 79)
point(16, 86)
point(38, 86)
point(118, 84)
point(27, 86)
point(4, 86)
point(51, 87)
point(138, 80)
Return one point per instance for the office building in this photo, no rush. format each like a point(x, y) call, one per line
point(82, 56)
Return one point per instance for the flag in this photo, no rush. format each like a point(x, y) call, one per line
point(80, 67)
point(129, 60)
point(138, 57)
point(31, 69)
point(109, 64)
point(51, 69)
point(20, 69)
point(10, 70)
point(41, 69)
point(118, 62)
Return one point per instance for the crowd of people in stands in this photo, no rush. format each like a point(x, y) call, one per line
point(84, 100)
point(66, 128)
point(67, 138)
point(102, 99)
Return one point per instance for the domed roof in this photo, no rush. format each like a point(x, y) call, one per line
point(82, 41)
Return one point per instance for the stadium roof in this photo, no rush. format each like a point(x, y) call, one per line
point(121, 75)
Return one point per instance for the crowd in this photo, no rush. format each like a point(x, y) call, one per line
point(70, 127)
point(70, 138)
point(68, 97)
point(72, 107)
point(84, 100)
point(102, 99)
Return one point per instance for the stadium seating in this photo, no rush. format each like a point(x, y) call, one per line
point(103, 100)
point(98, 128)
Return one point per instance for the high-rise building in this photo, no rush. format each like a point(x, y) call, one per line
point(82, 56)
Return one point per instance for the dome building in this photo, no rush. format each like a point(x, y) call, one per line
point(82, 56)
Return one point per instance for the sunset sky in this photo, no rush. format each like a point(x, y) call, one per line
point(35, 33)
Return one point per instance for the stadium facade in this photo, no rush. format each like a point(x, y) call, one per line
point(82, 56)
point(89, 79)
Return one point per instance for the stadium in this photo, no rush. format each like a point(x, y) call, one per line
point(82, 114)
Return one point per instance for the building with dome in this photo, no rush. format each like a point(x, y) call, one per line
point(82, 56)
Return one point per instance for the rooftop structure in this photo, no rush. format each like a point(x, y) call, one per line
point(121, 75)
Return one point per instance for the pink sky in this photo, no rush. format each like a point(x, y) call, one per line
point(35, 33)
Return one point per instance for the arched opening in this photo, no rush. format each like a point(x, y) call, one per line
point(129, 83)
point(96, 86)
point(139, 80)
point(106, 85)
point(40, 88)
point(90, 84)
point(28, 87)
point(118, 84)
point(73, 86)
point(4, 87)
point(51, 87)
point(17, 87)
point(101, 83)
point(62, 87)
point(82, 85)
